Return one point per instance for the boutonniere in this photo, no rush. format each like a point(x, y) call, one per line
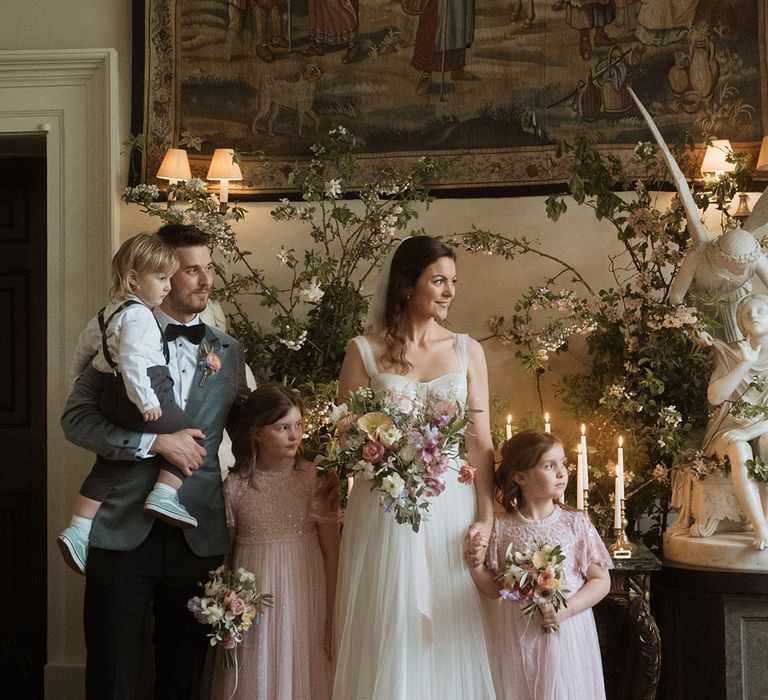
point(208, 361)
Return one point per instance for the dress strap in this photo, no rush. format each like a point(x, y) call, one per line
point(461, 344)
point(367, 354)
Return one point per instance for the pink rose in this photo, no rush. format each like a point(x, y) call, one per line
point(237, 606)
point(213, 361)
point(373, 452)
point(546, 579)
point(467, 474)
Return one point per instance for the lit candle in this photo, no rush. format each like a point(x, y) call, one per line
point(584, 462)
point(619, 491)
point(547, 425)
point(509, 426)
point(579, 478)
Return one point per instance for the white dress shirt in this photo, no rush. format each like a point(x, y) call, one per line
point(182, 364)
point(134, 342)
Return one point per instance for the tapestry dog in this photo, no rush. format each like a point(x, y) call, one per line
point(294, 95)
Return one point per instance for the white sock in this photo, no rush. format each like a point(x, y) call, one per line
point(164, 488)
point(82, 524)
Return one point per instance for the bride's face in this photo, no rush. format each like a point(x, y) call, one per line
point(434, 290)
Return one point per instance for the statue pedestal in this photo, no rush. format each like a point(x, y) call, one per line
point(731, 551)
point(711, 531)
point(715, 507)
point(714, 625)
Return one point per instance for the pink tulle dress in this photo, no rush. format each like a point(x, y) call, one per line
point(528, 663)
point(282, 658)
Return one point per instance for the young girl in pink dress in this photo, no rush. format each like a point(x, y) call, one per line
point(284, 527)
point(527, 662)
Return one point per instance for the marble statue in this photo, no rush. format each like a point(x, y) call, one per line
point(719, 269)
point(741, 374)
point(721, 521)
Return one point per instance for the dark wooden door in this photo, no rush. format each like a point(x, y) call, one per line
point(22, 418)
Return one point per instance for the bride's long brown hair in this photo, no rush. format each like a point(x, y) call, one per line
point(411, 258)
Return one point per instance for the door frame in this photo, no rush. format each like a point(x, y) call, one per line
point(72, 96)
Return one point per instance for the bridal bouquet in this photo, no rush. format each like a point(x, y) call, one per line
point(534, 577)
point(230, 605)
point(402, 444)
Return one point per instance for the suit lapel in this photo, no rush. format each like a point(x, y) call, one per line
point(197, 393)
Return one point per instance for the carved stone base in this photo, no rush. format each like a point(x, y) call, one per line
point(715, 507)
point(728, 551)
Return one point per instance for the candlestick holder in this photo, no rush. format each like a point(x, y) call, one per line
point(586, 499)
point(621, 547)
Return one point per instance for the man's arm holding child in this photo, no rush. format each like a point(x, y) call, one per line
point(85, 426)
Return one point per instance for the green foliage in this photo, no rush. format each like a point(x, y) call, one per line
point(312, 317)
point(646, 378)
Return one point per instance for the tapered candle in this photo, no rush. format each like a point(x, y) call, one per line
point(579, 477)
point(509, 426)
point(584, 460)
point(619, 491)
point(547, 425)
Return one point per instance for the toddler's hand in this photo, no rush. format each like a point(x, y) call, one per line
point(152, 414)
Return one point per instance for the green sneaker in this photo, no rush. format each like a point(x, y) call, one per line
point(166, 506)
point(74, 548)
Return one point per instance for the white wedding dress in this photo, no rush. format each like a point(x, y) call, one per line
point(408, 622)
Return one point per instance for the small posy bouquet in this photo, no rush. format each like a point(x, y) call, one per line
point(403, 445)
point(230, 605)
point(534, 578)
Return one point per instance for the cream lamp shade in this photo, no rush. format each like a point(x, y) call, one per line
point(175, 166)
point(714, 159)
point(224, 169)
point(762, 159)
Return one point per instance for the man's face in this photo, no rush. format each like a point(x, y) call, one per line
point(191, 285)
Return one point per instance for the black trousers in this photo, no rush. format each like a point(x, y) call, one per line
point(120, 586)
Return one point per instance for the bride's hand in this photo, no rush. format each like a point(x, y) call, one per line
point(476, 543)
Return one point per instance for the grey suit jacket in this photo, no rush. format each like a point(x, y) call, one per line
point(121, 523)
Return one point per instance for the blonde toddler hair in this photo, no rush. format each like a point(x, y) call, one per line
point(144, 253)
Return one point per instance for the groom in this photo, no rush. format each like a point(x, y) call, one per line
point(135, 559)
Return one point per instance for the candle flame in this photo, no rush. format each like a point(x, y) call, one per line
point(621, 440)
point(583, 429)
point(546, 417)
point(509, 419)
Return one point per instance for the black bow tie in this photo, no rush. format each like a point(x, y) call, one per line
point(194, 334)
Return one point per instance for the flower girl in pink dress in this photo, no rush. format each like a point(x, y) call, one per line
point(284, 527)
point(528, 662)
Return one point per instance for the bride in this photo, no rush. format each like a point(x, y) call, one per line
point(409, 622)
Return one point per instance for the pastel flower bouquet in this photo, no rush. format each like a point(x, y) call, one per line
point(230, 605)
point(403, 445)
point(534, 578)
